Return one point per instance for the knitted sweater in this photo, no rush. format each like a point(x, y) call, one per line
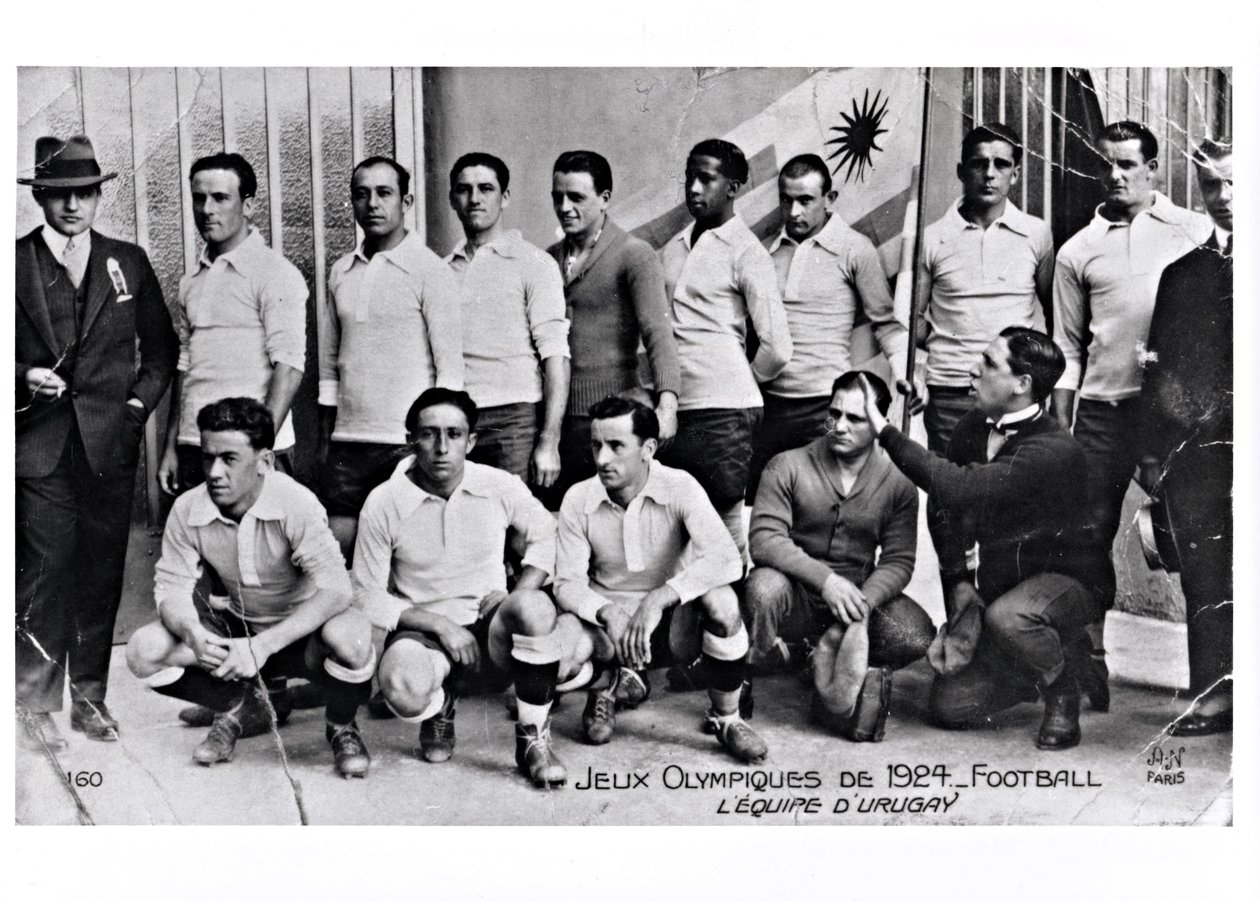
point(616, 298)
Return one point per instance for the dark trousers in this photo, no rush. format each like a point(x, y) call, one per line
point(576, 461)
point(505, 438)
point(72, 528)
point(946, 405)
point(776, 607)
point(1108, 432)
point(1026, 633)
point(787, 423)
point(1197, 491)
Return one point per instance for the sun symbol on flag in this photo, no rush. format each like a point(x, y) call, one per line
point(857, 137)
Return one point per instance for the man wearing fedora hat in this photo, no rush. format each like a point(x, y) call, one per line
point(84, 388)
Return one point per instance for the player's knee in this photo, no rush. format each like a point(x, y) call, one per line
point(721, 609)
point(348, 636)
point(147, 649)
point(529, 612)
point(407, 689)
point(764, 589)
point(1001, 620)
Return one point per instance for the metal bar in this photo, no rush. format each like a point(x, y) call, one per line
point(977, 96)
point(417, 130)
point(912, 344)
point(1047, 136)
point(1023, 136)
point(1002, 95)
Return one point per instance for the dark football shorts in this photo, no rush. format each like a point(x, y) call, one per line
point(352, 470)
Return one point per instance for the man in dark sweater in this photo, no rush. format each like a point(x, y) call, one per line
point(1013, 481)
point(614, 290)
point(833, 537)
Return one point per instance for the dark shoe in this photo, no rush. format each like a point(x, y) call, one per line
point(42, 732)
point(785, 658)
point(437, 733)
point(1061, 725)
point(220, 742)
point(350, 754)
point(633, 688)
point(738, 737)
point(306, 696)
point(535, 759)
point(687, 677)
point(255, 719)
point(94, 720)
point(599, 719)
point(1194, 724)
point(745, 708)
point(377, 708)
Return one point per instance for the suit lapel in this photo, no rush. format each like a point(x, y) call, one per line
point(30, 290)
point(100, 287)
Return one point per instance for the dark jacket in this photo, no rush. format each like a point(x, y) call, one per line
point(1025, 507)
point(108, 366)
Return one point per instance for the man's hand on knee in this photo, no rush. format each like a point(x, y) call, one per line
point(844, 599)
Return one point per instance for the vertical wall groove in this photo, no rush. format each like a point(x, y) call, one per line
point(273, 169)
point(317, 192)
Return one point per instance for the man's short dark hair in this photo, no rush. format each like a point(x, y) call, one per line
point(993, 131)
point(404, 177)
point(1034, 354)
point(436, 397)
point(240, 414)
point(586, 161)
point(232, 162)
point(477, 158)
point(850, 381)
point(801, 165)
point(1128, 130)
point(1214, 149)
point(643, 421)
point(731, 159)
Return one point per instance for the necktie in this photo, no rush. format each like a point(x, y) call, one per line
point(75, 260)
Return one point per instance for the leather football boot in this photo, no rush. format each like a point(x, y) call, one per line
point(437, 733)
point(220, 742)
point(94, 720)
point(1061, 724)
point(599, 719)
point(738, 737)
point(535, 759)
point(350, 754)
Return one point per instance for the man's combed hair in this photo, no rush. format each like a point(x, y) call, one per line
point(435, 397)
point(801, 165)
point(1128, 130)
point(731, 159)
point(993, 131)
point(643, 421)
point(240, 414)
point(477, 158)
point(586, 161)
point(232, 162)
point(404, 177)
point(1034, 354)
point(1214, 149)
point(851, 381)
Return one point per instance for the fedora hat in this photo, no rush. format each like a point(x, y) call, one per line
point(65, 164)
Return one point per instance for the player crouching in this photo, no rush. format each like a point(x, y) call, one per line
point(288, 607)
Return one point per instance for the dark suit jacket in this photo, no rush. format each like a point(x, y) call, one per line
point(1188, 383)
point(106, 374)
point(1024, 507)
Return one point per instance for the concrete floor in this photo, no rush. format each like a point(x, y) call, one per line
point(809, 778)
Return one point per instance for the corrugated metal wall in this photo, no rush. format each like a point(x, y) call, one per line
point(301, 129)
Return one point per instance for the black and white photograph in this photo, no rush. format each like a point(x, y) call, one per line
point(625, 445)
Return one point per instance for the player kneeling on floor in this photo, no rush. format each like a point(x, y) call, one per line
point(428, 568)
point(644, 570)
point(288, 594)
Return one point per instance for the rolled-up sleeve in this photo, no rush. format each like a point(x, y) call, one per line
point(545, 307)
point(1070, 299)
point(178, 569)
point(757, 281)
point(373, 558)
point(439, 303)
point(573, 560)
point(282, 307)
point(710, 558)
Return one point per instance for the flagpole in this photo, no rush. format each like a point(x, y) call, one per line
point(912, 344)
